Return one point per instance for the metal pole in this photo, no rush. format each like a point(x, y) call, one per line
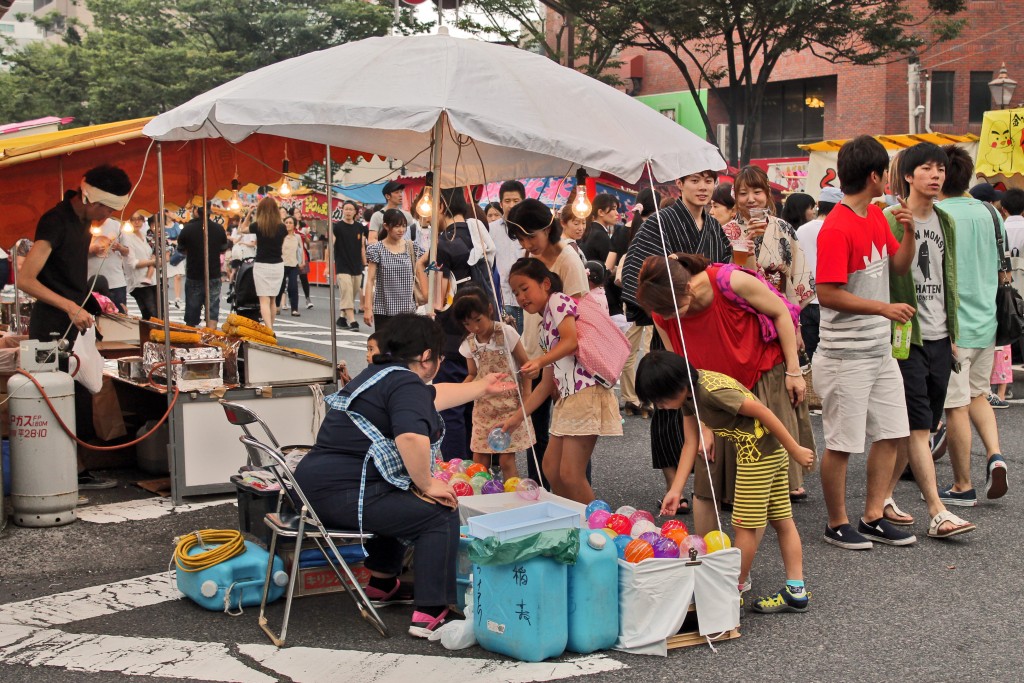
point(331, 266)
point(165, 316)
point(206, 246)
point(435, 200)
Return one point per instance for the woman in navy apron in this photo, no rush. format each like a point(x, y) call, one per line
point(371, 468)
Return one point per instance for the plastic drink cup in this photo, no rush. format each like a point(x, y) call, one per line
point(901, 339)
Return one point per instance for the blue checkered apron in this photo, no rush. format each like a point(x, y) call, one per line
point(383, 451)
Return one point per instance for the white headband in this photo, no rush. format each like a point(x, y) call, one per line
point(94, 195)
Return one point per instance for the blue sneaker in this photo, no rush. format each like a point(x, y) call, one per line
point(845, 536)
point(964, 499)
point(881, 531)
point(995, 477)
point(783, 601)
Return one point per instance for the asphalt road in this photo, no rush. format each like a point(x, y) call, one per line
point(938, 610)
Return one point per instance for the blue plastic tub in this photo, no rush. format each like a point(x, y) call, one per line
point(242, 575)
point(520, 609)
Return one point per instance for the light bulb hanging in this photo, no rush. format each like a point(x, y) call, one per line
point(95, 230)
point(581, 206)
point(127, 227)
point(425, 206)
point(235, 204)
point(286, 188)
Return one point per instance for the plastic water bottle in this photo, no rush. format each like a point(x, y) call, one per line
point(901, 340)
point(499, 440)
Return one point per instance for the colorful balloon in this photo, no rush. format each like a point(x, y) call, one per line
point(528, 489)
point(458, 476)
point(598, 519)
point(641, 514)
point(609, 533)
point(625, 511)
point(716, 540)
point(693, 541)
point(483, 475)
point(642, 527)
point(475, 468)
point(620, 524)
point(510, 484)
point(477, 483)
point(677, 536)
point(499, 440)
point(620, 545)
point(443, 475)
point(665, 548)
point(649, 536)
point(492, 486)
point(597, 505)
point(638, 551)
point(465, 465)
point(462, 488)
point(671, 525)
point(453, 465)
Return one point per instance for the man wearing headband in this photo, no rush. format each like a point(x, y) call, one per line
point(55, 272)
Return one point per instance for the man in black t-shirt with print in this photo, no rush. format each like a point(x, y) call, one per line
point(349, 262)
point(55, 272)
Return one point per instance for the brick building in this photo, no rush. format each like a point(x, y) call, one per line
point(810, 99)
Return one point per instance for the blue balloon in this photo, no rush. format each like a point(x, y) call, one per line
point(499, 440)
point(598, 505)
point(621, 542)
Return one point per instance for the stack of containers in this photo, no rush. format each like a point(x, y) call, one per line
point(535, 609)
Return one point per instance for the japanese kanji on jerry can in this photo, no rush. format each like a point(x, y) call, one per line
point(44, 471)
point(520, 608)
point(593, 597)
point(238, 580)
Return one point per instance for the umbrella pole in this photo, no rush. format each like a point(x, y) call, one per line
point(331, 266)
point(206, 247)
point(165, 316)
point(435, 201)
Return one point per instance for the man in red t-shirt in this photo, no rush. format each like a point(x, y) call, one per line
point(858, 379)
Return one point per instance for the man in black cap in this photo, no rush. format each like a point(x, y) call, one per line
point(986, 193)
point(393, 196)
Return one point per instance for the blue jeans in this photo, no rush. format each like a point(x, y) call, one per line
point(195, 300)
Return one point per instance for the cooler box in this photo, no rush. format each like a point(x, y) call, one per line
point(239, 580)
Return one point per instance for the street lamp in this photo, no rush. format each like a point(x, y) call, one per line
point(1002, 87)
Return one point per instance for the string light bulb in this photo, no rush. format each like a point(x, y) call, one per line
point(286, 188)
point(425, 206)
point(127, 227)
point(581, 206)
point(95, 230)
point(235, 204)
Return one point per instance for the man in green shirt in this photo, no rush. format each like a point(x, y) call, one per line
point(931, 288)
point(979, 268)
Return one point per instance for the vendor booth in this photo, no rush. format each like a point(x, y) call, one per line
point(1000, 158)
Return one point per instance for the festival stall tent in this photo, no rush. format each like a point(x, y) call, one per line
point(1000, 157)
point(36, 170)
point(821, 168)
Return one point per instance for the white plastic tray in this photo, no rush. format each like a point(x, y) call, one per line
point(524, 521)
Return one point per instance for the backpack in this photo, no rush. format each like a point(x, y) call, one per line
point(602, 348)
point(768, 331)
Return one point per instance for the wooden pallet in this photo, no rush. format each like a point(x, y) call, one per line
point(690, 638)
point(689, 635)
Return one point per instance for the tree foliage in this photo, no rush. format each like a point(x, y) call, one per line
point(524, 23)
point(733, 46)
point(146, 56)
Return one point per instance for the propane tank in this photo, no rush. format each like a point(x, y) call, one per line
point(44, 470)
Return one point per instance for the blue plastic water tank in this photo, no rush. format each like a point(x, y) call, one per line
point(520, 609)
point(208, 587)
point(593, 595)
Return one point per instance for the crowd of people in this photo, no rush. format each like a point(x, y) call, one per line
point(734, 308)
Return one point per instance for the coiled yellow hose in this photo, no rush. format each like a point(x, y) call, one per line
point(229, 544)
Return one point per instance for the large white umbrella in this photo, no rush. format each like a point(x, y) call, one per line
point(527, 115)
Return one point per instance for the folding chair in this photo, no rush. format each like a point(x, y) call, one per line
point(295, 525)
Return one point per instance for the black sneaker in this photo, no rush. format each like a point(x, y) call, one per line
point(881, 531)
point(342, 324)
point(845, 536)
point(937, 442)
point(353, 326)
point(88, 480)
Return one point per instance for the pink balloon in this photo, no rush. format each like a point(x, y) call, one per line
point(598, 519)
point(443, 475)
point(641, 514)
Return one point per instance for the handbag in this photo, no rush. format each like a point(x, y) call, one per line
point(602, 347)
point(1009, 305)
point(419, 289)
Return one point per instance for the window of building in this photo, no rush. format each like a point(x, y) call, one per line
point(792, 114)
point(40, 4)
point(6, 28)
point(668, 113)
point(942, 96)
point(980, 96)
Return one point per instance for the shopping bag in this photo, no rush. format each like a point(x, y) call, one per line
point(89, 367)
point(107, 418)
